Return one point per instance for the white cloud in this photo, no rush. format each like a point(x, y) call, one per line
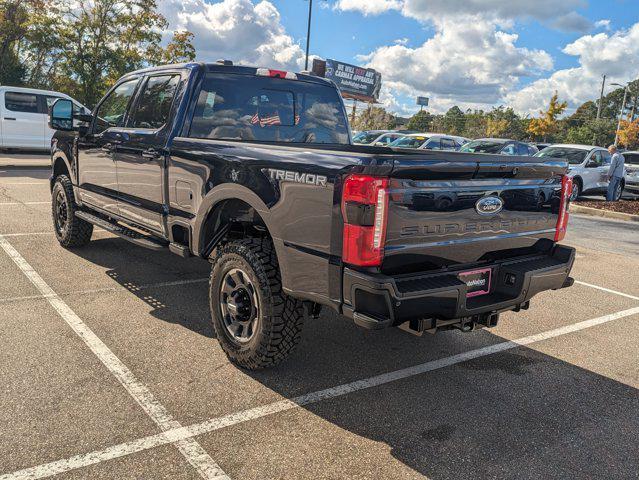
point(432, 10)
point(468, 62)
point(368, 7)
point(603, 23)
point(236, 30)
point(616, 55)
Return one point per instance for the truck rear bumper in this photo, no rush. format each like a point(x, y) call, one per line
point(378, 301)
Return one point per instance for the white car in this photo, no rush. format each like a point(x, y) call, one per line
point(632, 171)
point(587, 165)
point(429, 141)
point(24, 117)
point(385, 139)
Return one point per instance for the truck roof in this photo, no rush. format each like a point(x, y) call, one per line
point(219, 67)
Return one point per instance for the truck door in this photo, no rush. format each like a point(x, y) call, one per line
point(141, 154)
point(96, 161)
point(22, 120)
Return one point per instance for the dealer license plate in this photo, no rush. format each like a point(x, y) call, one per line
point(478, 281)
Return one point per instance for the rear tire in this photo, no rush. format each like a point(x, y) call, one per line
point(256, 323)
point(70, 230)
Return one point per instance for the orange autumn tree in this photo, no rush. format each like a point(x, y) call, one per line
point(547, 124)
point(629, 133)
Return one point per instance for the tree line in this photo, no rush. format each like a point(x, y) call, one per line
point(582, 126)
point(82, 47)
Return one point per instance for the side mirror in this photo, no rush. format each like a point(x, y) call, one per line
point(591, 164)
point(61, 115)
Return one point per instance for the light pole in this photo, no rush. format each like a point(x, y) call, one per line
point(623, 105)
point(308, 32)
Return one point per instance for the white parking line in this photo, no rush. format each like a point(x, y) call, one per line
point(132, 288)
point(50, 232)
point(182, 433)
point(24, 183)
point(189, 447)
point(604, 289)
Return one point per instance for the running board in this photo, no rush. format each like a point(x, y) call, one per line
point(129, 234)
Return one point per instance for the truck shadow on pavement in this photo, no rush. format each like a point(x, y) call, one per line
point(516, 414)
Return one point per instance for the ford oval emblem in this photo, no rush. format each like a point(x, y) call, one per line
point(489, 205)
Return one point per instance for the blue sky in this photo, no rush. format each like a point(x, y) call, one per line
point(471, 53)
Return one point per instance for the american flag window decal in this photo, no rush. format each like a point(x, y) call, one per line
point(275, 108)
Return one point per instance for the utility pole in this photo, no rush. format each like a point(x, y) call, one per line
point(634, 104)
point(308, 32)
point(603, 84)
point(623, 105)
point(353, 113)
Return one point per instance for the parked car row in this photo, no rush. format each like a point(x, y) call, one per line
point(500, 146)
point(24, 115)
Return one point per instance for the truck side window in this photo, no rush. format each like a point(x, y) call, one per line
point(21, 102)
point(154, 106)
point(112, 110)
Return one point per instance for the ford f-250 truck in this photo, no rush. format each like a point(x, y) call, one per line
point(254, 170)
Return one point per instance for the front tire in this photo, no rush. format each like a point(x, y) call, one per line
point(256, 323)
point(70, 230)
point(576, 190)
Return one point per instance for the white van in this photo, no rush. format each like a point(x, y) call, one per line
point(24, 117)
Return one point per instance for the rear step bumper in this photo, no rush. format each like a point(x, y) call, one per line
point(377, 301)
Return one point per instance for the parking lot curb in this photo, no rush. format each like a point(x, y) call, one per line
point(598, 212)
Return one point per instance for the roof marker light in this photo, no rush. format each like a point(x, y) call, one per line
point(266, 72)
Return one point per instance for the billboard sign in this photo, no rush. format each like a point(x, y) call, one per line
point(353, 81)
point(423, 101)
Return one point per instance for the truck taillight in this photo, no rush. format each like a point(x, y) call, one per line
point(562, 221)
point(365, 211)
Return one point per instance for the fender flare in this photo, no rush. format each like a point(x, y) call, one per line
point(232, 191)
point(58, 155)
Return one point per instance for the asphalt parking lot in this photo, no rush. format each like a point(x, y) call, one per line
point(109, 369)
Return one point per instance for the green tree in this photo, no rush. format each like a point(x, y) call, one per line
point(602, 131)
point(475, 123)
point(104, 39)
point(420, 122)
point(179, 50)
point(374, 118)
point(14, 26)
point(454, 121)
point(504, 122)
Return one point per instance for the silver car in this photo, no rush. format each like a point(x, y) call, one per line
point(587, 165)
point(632, 171)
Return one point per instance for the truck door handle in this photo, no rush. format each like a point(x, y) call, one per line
point(151, 154)
point(10, 118)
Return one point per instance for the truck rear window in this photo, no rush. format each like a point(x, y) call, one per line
point(241, 107)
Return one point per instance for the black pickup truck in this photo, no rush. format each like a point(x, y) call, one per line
point(254, 170)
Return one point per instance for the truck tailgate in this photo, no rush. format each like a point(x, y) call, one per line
point(467, 208)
